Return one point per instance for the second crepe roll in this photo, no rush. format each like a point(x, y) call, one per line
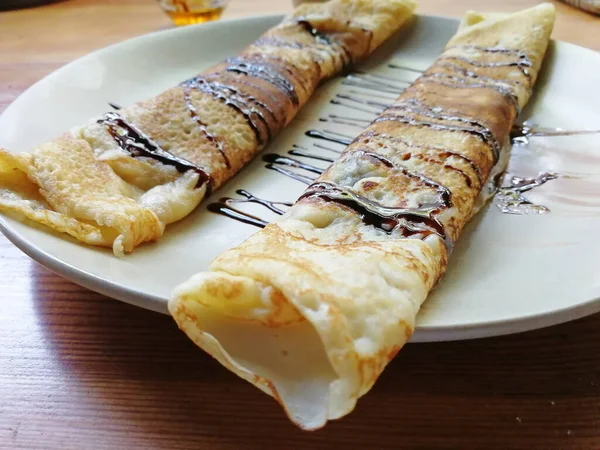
point(314, 306)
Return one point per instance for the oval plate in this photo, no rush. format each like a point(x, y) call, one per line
point(508, 273)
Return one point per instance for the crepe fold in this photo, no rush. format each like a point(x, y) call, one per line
point(313, 307)
point(118, 180)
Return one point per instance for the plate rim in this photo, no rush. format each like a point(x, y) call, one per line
point(132, 296)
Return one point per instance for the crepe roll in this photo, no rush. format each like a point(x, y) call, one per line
point(312, 308)
point(120, 179)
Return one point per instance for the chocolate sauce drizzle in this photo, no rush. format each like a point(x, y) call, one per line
point(421, 220)
point(400, 67)
point(472, 126)
point(523, 62)
point(345, 120)
point(410, 221)
point(375, 82)
point(331, 136)
point(203, 127)
point(378, 106)
point(279, 116)
point(264, 71)
point(138, 145)
point(384, 96)
point(305, 153)
point(444, 199)
point(328, 43)
point(469, 74)
point(321, 146)
point(225, 208)
point(238, 101)
point(349, 105)
point(522, 65)
point(441, 152)
point(483, 133)
point(454, 82)
point(509, 51)
point(275, 161)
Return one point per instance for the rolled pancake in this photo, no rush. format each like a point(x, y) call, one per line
point(118, 180)
point(313, 307)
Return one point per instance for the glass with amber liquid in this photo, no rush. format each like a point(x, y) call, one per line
point(188, 12)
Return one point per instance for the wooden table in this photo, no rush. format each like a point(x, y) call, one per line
point(82, 371)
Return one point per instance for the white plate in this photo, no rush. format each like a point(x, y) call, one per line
point(507, 274)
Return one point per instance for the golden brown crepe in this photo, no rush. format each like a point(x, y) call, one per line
point(118, 180)
point(313, 307)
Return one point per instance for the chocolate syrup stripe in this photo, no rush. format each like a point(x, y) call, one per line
point(277, 117)
point(137, 144)
point(523, 66)
point(444, 195)
point(291, 174)
point(510, 51)
point(522, 61)
point(273, 41)
point(483, 134)
point(306, 154)
point(377, 83)
point(346, 120)
point(225, 208)
point(410, 221)
point(277, 161)
point(362, 101)
point(469, 74)
point(261, 68)
point(442, 153)
point(274, 160)
point(236, 100)
point(460, 83)
point(330, 136)
point(298, 75)
point(203, 127)
point(266, 72)
point(328, 43)
point(413, 106)
point(388, 97)
point(349, 105)
point(362, 123)
point(319, 145)
point(241, 216)
point(339, 121)
point(406, 68)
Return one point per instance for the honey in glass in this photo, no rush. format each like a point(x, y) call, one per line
point(188, 12)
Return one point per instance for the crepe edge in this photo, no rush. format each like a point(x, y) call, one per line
point(344, 388)
point(140, 218)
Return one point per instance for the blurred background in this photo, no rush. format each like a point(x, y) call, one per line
point(188, 12)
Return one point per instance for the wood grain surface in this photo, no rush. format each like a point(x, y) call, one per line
point(82, 371)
